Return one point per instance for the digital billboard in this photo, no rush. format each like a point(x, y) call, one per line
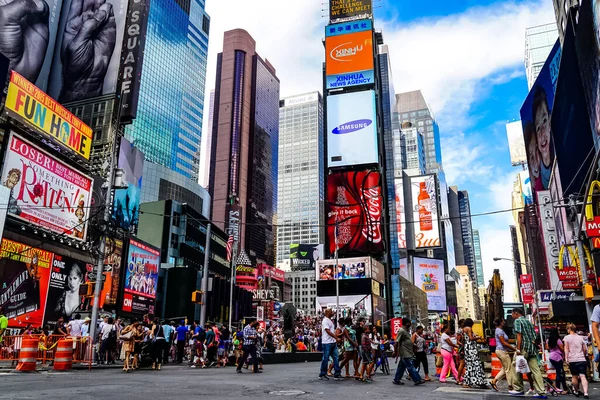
point(34, 108)
point(348, 27)
point(516, 144)
point(141, 277)
point(354, 212)
point(426, 223)
point(400, 213)
point(356, 306)
point(303, 257)
point(347, 268)
point(44, 191)
point(352, 129)
point(344, 9)
point(88, 49)
point(404, 271)
point(535, 118)
point(126, 212)
point(431, 278)
point(349, 60)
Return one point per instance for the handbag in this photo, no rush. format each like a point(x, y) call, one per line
point(439, 361)
point(521, 365)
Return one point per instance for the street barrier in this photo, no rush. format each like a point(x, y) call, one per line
point(28, 355)
point(45, 349)
point(496, 365)
point(63, 358)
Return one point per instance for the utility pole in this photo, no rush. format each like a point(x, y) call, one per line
point(205, 277)
point(232, 281)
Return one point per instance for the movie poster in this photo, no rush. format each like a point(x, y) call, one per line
point(141, 277)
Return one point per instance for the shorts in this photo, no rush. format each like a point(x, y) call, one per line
point(578, 368)
point(221, 351)
point(366, 357)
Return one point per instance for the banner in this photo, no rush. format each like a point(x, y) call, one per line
point(516, 144)
point(112, 264)
point(404, 271)
point(354, 204)
point(551, 241)
point(527, 289)
point(141, 277)
point(342, 9)
point(303, 257)
point(126, 211)
point(426, 224)
point(347, 27)
point(347, 268)
point(350, 59)
point(44, 191)
point(395, 324)
point(24, 273)
point(430, 277)
point(400, 213)
point(34, 108)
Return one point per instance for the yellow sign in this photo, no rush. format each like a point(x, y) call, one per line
point(33, 107)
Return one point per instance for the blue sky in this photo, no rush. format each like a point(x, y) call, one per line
point(465, 55)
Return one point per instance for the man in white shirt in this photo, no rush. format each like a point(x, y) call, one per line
point(329, 339)
point(74, 326)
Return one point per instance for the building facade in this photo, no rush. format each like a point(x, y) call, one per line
point(478, 260)
point(301, 197)
point(244, 150)
point(539, 41)
point(413, 150)
point(207, 143)
point(304, 290)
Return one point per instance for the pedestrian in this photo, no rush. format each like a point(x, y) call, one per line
point(474, 375)
point(3, 323)
point(127, 337)
point(420, 354)
point(226, 339)
point(556, 355)
point(339, 334)
point(181, 333)
point(526, 347)
point(329, 340)
point(109, 340)
point(404, 349)
point(502, 348)
point(447, 348)
point(460, 350)
point(249, 347)
point(158, 343)
point(575, 355)
point(366, 355)
point(350, 348)
point(168, 331)
point(211, 346)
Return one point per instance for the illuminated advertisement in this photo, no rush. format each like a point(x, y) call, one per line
point(426, 224)
point(348, 27)
point(356, 306)
point(352, 129)
point(516, 145)
point(126, 211)
point(343, 9)
point(525, 182)
point(24, 273)
point(349, 60)
point(31, 106)
point(354, 212)
point(347, 268)
point(303, 257)
point(551, 241)
point(112, 264)
point(400, 216)
point(430, 278)
point(535, 118)
point(44, 191)
point(141, 277)
point(404, 271)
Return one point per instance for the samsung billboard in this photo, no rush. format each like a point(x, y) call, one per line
point(352, 129)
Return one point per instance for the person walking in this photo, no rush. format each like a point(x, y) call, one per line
point(329, 340)
point(366, 355)
point(181, 334)
point(127, 337)
point(109, 340)
point(556, 355)
point(168, 331)
point(420, 354)
point(502, 348)
point(158, 343)
point(350, 348)
point(249, 347)
point(405, 349)
point(575, 355)
point(526, 347)
point(446, 349)
point(474, 375)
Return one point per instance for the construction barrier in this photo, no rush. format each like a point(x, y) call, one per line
point(496, 365)
point(63, 357)
point(27, 355)
point(550, 371)
point(46, 348)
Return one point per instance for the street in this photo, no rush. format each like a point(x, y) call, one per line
point(294, 380)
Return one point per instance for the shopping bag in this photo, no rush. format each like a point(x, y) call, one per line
point(439, 361)
point(521, 365)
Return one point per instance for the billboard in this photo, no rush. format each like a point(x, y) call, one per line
point(348, 27)
point(44, 191)
point(28, 36)
point(527, 289)
point(349, 60)
point(525, 182)
point(396, 296)
point(86, 63)
point(234, 219)
point(535, 118)
point(400, 213)
point(352, 129)
point(348, 268)
point(354, 212)
point(516, 144)
point(24, 273)
point(431, 278)
point(34, 108)
point(141, 277)
point(425, 222)
point(127, 201)
point(355, 306)
point(344, 9)
point(112, 264)
point(404, 271)
point(550, 236)
point(303, 257)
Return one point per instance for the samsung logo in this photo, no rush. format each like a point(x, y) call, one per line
point(352, 126)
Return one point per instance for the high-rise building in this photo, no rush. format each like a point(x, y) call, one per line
point(244, 151)
point(300, 197)
point(413, 108)
point(466, 228)
point(561, 11)
point(539, 41)
point(207, 143)
point(478, 259)
point(414, 161)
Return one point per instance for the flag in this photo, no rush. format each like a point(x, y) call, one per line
point(229, 247)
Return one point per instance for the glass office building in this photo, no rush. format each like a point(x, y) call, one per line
point(539, 41)
point(300, 200)
point(478, 260)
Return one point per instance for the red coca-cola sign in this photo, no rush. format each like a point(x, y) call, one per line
point(355, 203)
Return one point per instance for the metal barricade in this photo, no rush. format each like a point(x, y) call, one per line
point(10, 348)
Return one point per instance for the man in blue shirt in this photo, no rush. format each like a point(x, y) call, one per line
point(181, 331)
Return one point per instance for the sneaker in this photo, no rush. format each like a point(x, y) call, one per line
point(398, 383)
point(539, 396)
point(193, 366)
point(338, 378)
point(419, 382)
point(516, 393)
point(323, 377)
point(239, 371)
point(530, 392)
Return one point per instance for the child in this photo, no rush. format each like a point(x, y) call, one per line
point(199, 360)
point(366, 356)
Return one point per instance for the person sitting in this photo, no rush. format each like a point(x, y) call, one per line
point(300, 346)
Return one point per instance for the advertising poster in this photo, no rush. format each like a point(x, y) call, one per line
point(396, 296)
point(426, 223)
point(341, 9)
point(64, 297)
point(349, 268)
point(352, 129)
point(430, 278)
point(303, 257)
point(86, 63)
point(141, 277)
point(527, 290)
point(400, 214)
point(30, 53)
point(404, 272)
point(24, 273)
point(349, 58)
point(34, 108)
point(350, 306)
point(526, 187)
point(516, 144)
point(535, 118)
point(44, 191)
point(354, 212)
point(126, 211)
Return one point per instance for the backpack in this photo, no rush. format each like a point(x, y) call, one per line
point(112, 335)
point(202, 335)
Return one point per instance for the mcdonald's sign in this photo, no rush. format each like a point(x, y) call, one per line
point(570, 275)
point(592, 212)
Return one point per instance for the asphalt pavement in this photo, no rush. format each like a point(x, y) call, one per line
point(175, 382)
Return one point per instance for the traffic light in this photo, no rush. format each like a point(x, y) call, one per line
point(588, 292)
point(197, 297)
point(87, 289)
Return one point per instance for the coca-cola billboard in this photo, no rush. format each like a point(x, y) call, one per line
point(354, 212)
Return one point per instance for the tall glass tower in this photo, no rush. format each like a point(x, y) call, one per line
point(478, 260)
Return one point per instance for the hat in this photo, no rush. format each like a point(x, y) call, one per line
point(87, 319)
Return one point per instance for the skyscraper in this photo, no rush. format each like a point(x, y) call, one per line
point(413, 150)
point(205, 148)
point(244, 151)
point(300, 197)
point(539, 40)
point(478, 260)
point(413, 108)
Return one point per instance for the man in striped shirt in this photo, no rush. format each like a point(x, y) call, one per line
point(249, 347)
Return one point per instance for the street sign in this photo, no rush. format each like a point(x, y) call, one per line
point(92, 277)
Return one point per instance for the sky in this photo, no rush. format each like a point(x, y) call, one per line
point(465, 55)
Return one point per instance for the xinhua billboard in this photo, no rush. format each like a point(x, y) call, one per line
point(349, 59)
